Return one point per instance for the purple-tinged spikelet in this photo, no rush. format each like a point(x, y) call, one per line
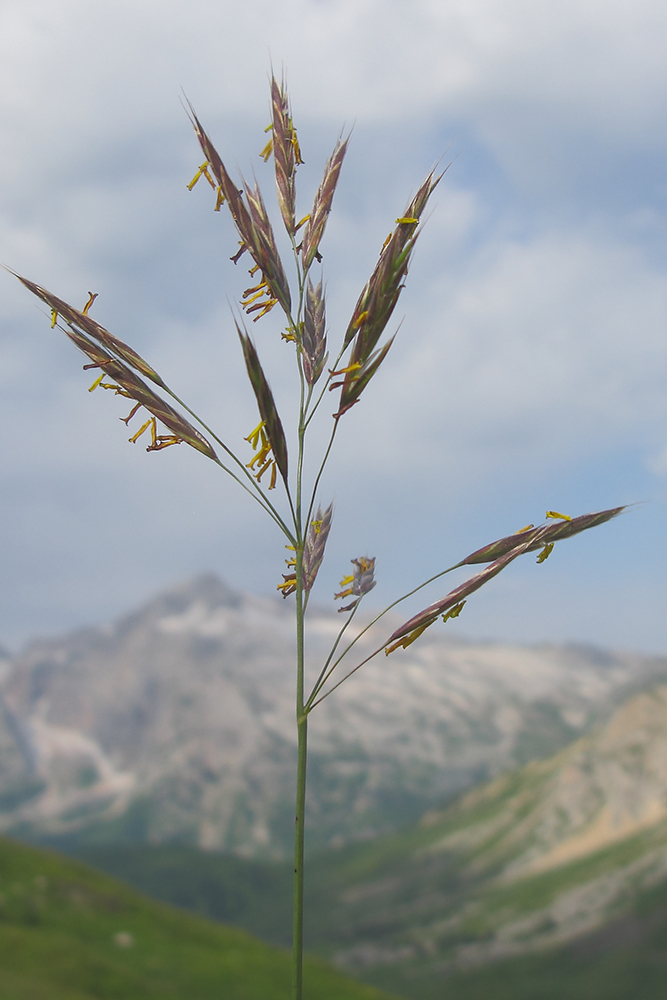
point(322, 205)
point(316, 540)
point(313, 340)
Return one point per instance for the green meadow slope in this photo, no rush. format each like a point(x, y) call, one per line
point(68, 932)
point(549, 882)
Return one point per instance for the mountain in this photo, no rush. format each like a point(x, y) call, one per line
point(176, 724)
point(70, 933)
point(549, 881)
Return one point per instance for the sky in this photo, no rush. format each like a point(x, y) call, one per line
point(530, 369)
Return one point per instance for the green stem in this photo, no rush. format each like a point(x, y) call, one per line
point(299, 824)
point(326, 674)
point(299, 828)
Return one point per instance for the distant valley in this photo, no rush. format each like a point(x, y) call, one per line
point(550, 881)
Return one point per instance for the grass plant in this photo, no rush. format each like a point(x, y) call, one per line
point(274, 476)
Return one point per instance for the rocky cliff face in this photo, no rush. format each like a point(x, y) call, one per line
point(176, 723)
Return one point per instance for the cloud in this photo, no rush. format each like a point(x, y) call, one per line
point(532, 359)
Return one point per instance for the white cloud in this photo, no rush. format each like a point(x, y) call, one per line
point(535, 324)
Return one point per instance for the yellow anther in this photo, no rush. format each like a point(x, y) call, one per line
point(220, 200)
point(54, 317)
point(525, 528)
point(260, 457)
point(407, 640)
point(127, 419)
point(360, 319)
point(96, 383)
point(405, 220)
point(265, 309)
point(267, 465)
point(91, 299)
point(253, 298)
point(295, 142)
point(555, 514)
point(268, 149)
point(202, 172)
point(141, 430)
point(344, 371)
point(272, 483)
point(300, 224)
point(253, 437)
point(453, 612)
point(347, 579)
point(316, 526)
point(546, 552)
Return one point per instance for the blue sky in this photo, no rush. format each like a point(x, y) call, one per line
point(530, 371)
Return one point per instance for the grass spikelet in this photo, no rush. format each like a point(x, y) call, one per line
point(316, 540)
point(550, 533)
point(126, 383)
point(429, 615)
point(380, 295)
point(286, 154)
point(252, 222)
point(265, 403)
point(81, 321)
point(313, 340)
point(263, 248)
point(378, 300)
point(322, 205)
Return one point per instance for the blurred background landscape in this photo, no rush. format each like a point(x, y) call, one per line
point(488, 809)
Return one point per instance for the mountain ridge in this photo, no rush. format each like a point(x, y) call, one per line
point(175, 723)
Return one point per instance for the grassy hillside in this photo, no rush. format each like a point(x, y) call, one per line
point(624, 959)
point(68, 932)
point(550, 881)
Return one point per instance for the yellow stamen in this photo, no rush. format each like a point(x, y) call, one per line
point(344, 371)
point(96, 383)
point(253, 298)
point(408, 639)
point(525, 528)
point(546, 552)
point(300, 224)
point(260, 457)
point(54, 317)
point(268, 149)
point(266, 309)
point(93, 296)
point(295, 142)
point(220, 200)
point(202, 172)
point(453, 612)
point(360, 319)
point(131, 414)
point(134, 438)
point(555, 514)
point(267, 465)
point(272, 484)
point(253, 437)
point(316, 526)
point(407, 219)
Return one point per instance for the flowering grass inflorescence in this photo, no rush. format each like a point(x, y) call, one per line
point(359, 358)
